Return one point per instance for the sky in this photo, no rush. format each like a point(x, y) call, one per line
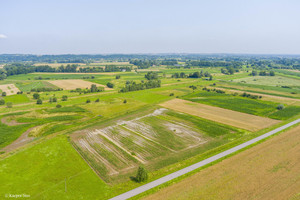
point(149, 26)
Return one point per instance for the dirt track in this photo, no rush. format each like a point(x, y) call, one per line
point(221, 115)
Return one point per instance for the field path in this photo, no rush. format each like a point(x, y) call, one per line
point(221, 115)
point(21, 141)
point(202, 163)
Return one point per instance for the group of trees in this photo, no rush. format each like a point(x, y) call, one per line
point(251, 96)
point(133, 86)
point(193, 75)
point(229, 70)
point(21, 68)
point(43, 89)
point(92, 89)
point(213, 90)
point(262, 73)
point(151, 76)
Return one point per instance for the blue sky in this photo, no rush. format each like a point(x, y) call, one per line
point(144, 26)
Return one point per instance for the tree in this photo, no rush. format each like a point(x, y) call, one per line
point(39, 101)
point(50, 100)
point(36, 96)
point(58, 106)
point(2, 102)
point(64, 98)
point(142, 175)
point(272, 73)
point(231, 70)
point(125, 101)
point(3, 94)
point(93, 88)
point(110, 85)
point(118, 77)
point(280, 107)
point(97, 100)
point(88, 101)
point(54, 99)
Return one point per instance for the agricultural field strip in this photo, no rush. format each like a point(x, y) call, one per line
point(221, 115)
point(132, 129)
point(72, 84)
point(10, 89)
point(193, 167)
point(271, 97)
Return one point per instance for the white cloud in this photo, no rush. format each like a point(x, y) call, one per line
point(2, 36)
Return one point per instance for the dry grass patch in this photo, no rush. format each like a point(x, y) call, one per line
point(10, 89)
point(267, 171)
point(221, 115)
point(72, 84)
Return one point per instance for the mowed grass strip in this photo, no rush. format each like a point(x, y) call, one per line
point(221, 115)
point(267, 171)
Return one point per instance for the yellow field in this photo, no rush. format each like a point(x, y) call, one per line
point(72, 84)
point(267, 171)
point(10, 89)
point(221, 115)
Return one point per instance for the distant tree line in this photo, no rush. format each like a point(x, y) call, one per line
point(192, 75)
point(262, 73)
point(92, 89)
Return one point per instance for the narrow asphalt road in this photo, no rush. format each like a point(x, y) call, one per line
point(186, 170)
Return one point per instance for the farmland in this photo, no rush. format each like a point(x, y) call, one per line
point(94, 141)
point(272, 167)
point(72, 84)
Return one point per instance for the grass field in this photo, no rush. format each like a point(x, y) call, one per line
point(272, 168)
point(269, 81)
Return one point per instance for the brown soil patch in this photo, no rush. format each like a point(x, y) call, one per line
point(221, 115)
point(72, 84)
point(267, 171)
point(10, 89)
point(21, 141)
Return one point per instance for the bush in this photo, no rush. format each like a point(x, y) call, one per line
point(2, 102)
point(36, 96)
point(110, 85)
point(39, 101)
point(54, 99)
point(172, 94)
point(97, 100)
point(280, 107)
point(125, 101)
point(88, 101)
point(58, 106)
point(118, 77)
point(64, 98)
point(3, 94)
point(142, 175)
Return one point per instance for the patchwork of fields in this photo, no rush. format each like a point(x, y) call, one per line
point(233, 118)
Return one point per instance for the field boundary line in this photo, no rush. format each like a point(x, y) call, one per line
point(202, 163)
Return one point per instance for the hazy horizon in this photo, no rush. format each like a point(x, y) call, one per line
point(267, 27)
